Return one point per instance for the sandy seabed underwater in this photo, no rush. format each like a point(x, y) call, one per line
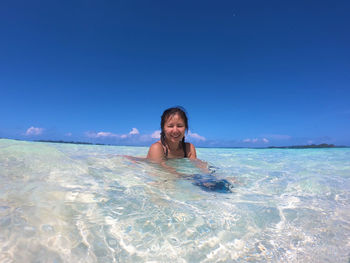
point(89, 203)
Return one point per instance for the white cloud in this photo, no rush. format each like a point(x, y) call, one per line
point(190, 135)
point(106, 134)
point(134, 136)
point(34, 131)
point(195, 136)
point(68, 134)
point(255, 140)
point(101, 135)
point(134, 131)
point(278, 136)
point(155, 134)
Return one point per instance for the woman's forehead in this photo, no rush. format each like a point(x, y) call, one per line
point(174, 117)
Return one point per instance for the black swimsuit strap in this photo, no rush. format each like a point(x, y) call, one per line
point(184, 147)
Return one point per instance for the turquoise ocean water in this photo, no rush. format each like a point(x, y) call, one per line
point(87, 203)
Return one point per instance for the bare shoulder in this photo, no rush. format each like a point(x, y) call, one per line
point(191, 151)
point(156, 152)
point(157, 146)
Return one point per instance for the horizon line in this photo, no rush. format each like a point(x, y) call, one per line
point(309, 146)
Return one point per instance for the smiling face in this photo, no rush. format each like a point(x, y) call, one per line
point(174, 128)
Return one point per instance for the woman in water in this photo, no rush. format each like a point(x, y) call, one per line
point(174, 124)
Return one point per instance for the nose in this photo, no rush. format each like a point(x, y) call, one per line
point(176, 129)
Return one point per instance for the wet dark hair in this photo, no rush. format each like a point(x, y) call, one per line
point(165, 116)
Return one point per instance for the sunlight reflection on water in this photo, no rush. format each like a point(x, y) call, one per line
point(83, 203)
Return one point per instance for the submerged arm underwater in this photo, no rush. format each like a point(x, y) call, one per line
point(204, 176)
point(205, 179)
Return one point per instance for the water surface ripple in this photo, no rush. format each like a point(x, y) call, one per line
point(87, 203)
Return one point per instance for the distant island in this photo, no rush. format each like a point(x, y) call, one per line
point(71, 142)
point(323, 145)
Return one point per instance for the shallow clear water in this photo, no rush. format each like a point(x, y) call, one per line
point(84, 203)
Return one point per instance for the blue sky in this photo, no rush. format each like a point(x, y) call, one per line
point(249, 73)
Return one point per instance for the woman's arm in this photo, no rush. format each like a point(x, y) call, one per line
point(156, 155)
point(192, 155)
